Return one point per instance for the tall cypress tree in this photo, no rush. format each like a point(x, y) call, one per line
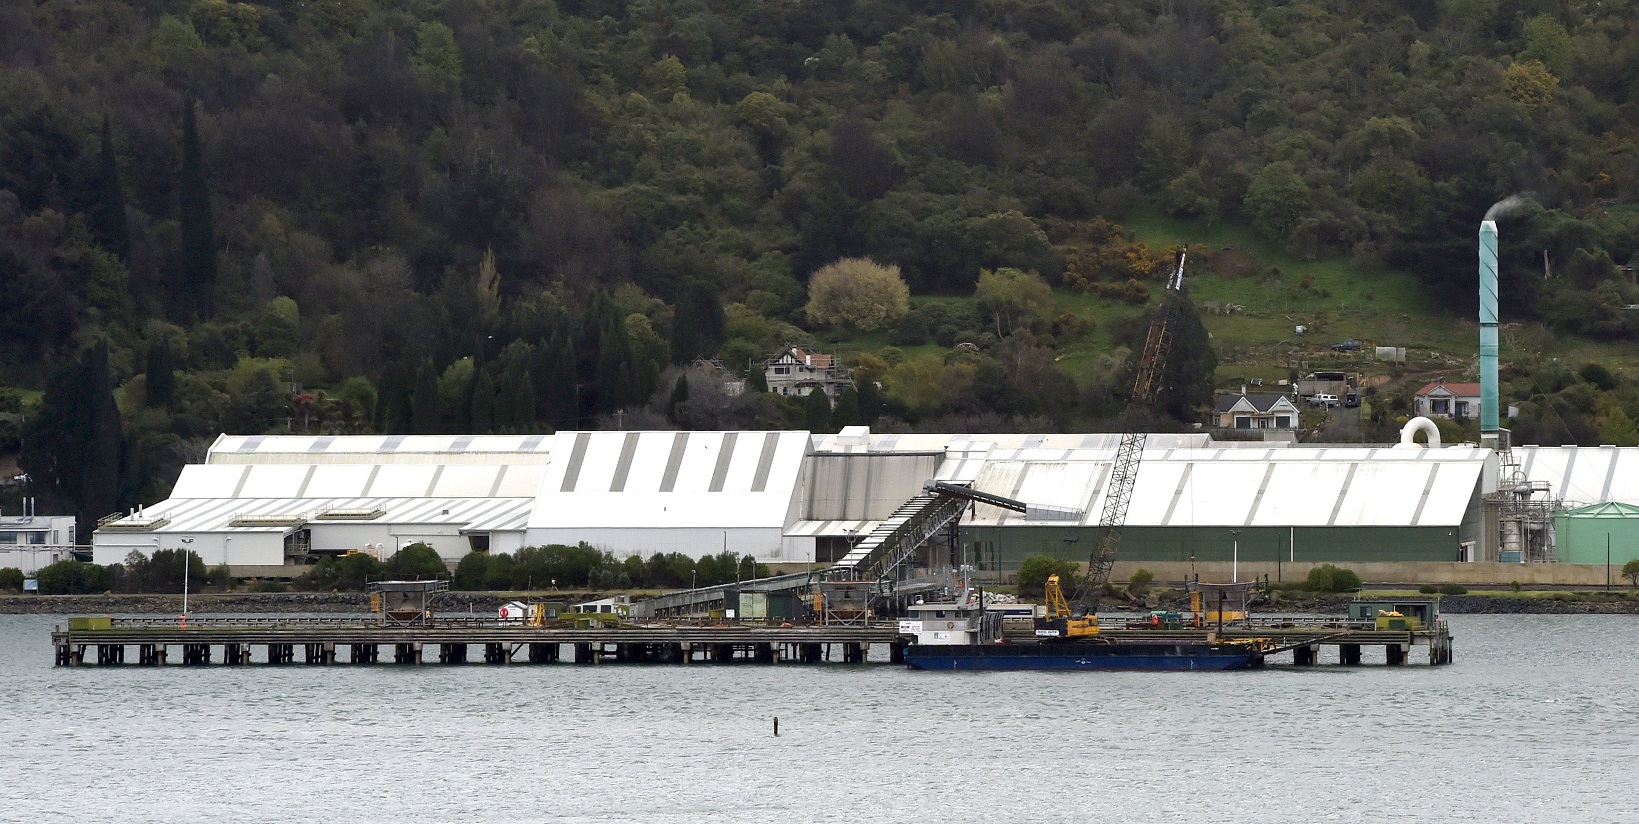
point(677, 405)
point(75, 445)
point(483, 403)
point(616, 378)
point(560, 398)
point(197, 285)
point(108, 208)
point(161, 373)
point(698, 324)
point(425, 414)
point(816, 411)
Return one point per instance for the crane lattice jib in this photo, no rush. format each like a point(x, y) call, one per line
point(1124, 469)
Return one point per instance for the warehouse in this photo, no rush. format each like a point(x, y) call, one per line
point(265, 503)
point(698, 493)
point(1261, 503)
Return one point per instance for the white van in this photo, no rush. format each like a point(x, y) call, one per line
point(1327, 401)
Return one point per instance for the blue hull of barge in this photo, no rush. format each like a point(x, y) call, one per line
point(1167, 657)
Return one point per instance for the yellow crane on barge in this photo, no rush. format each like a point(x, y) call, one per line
point(1152, 361)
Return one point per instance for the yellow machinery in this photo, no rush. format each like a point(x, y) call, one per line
point(1059, 623)
point(1388, 619)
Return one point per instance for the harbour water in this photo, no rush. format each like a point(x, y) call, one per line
point(1533, 723)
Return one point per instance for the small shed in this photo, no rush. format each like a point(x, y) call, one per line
point(514, 611)
point(1583, 535)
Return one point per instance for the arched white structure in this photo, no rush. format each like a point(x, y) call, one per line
point(1408, 433)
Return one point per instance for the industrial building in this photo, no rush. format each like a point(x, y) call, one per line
point(265, 505)
point(29, 541)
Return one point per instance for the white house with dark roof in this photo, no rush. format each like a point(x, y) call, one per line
point(1448, 400)
point(1258, 410)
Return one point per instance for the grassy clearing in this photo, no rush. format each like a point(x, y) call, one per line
point(1335, 299)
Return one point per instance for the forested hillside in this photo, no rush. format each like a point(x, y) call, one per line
point(518, 215)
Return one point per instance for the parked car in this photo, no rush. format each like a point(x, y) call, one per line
point(1351, 400)
point(1346, 346)
point(1327, 401)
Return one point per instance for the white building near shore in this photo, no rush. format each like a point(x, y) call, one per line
point(267, 505)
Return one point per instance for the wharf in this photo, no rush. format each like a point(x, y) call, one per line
point(366, 641)
point(1305, 637)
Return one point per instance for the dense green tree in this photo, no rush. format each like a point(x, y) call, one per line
point(108, 220)
point(470, 572)
point(415, 562)
point(1035, 570)
point(560, 402)
point(426, 407)
point(161, 373)
point(1187, 379)
point(75, 448)
point(817, 412)
point(72, 578)
point(482, 412)
point(677, 403)
point(197, 272)
point(699, 325)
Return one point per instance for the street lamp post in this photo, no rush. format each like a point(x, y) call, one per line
point(186, 557)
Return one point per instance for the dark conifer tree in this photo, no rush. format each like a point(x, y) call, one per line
point(161, 373)
point(1186, 380)
point(698, 324)
point(196, 288)
point(515, 398)
point(76, 444)
point(616, 379)
point(393, 405)
point(816, 410)
point(108, 208)
point(560, 398)
point(675, 406)
point(846, 412)
point(483, 403)
point(425, 415)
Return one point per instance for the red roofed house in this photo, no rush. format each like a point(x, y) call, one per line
point(1448, 400)
point(794, 372)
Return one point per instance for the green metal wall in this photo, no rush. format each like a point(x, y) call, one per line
point(1582, 540)
point(1005, 547)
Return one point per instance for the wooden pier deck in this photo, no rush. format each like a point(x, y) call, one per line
point(448, 641)
point(365, 641)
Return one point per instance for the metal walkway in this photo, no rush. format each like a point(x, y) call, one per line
point(879, 556)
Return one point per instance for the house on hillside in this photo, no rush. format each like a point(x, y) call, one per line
point(1448, 400)
point(794, 372)
point(1255, 411)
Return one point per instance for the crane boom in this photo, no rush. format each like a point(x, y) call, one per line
point(1124, 470)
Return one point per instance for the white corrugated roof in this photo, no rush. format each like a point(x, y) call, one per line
point(380, 449)
point(1277, 486)
point(670, 479)
point(216, 514)
point(1584, 475)
point(310, 481)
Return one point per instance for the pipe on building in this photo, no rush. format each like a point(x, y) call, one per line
point(1408, 433)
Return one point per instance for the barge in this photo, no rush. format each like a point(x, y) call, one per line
point(963, 635)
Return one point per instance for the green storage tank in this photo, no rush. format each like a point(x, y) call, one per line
point(1581, 535)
